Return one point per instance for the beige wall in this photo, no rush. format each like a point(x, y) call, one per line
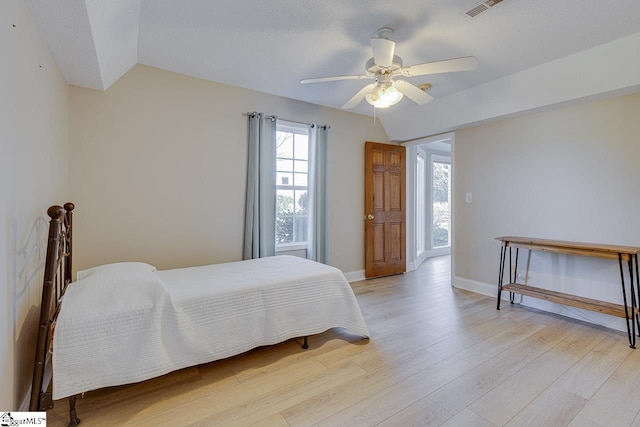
point(568, 174)
point(33, 175)
point(158, 165)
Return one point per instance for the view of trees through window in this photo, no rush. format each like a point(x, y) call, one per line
point(292, 168)
point(441, 193)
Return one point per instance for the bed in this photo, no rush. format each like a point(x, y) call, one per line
point(127, 322)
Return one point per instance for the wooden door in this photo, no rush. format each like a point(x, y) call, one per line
point(385, 230)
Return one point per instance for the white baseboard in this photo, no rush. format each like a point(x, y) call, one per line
point(477, 287)
point(354, 276)
point(491, 290)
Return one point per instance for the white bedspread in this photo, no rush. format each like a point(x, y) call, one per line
point(123, 327)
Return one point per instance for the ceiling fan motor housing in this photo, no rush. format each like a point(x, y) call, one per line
point(374, 68)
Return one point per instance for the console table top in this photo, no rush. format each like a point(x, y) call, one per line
point(568, 247)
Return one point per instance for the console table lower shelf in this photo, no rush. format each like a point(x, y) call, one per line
point(629, 310)
point(568, 299)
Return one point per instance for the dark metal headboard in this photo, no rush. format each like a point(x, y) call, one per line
point(57, 276)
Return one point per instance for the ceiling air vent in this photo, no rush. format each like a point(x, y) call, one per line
point(479, 8)
point(476, 10)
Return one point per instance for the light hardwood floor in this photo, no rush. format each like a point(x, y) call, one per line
point(437, 356)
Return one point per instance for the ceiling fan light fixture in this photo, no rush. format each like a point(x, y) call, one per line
point(384, 97)
point(392, 95)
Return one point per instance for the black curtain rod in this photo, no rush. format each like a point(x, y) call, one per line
point(287, 120)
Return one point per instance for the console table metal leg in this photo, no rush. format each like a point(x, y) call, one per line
point(503, 253)
point(637, 302)
point(633, 301)
point(632, 337)
point(514, 279)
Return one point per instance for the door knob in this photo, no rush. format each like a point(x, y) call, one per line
point(370, 216)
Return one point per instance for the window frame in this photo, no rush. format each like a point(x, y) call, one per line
point(421, 205)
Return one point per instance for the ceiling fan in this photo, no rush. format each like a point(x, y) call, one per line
point(384, 67)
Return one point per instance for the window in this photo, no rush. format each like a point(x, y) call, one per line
point(441, 194)
point(292, 180)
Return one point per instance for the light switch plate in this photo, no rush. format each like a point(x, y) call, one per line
point(468, 198)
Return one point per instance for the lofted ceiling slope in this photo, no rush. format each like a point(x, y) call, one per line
point(269, 46)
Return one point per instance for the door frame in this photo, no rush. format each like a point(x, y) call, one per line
point(412, 261)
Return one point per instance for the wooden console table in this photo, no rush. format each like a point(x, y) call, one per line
point(628, 310)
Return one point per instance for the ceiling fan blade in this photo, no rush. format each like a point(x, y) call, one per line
point(382, 51)
point(358, 97)
point(334, 78)
point(447, 66)
point(412, 92)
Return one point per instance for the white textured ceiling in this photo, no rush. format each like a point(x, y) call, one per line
point(269, 46)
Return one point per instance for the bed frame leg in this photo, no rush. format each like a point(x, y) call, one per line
point(305, 344)
point(73, 418)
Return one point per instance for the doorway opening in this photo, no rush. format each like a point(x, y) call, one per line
point(429, 202)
